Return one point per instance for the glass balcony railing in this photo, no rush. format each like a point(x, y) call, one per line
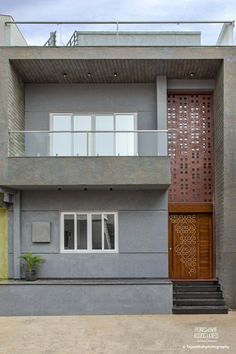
point(115, 33)
point(87, 143)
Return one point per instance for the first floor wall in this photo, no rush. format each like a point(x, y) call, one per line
point(142, 233)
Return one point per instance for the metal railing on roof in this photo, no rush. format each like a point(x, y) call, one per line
point(52, 40)
point(74, 40)
point(225, 37)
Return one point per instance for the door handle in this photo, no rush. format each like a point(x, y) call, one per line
point(170, 249)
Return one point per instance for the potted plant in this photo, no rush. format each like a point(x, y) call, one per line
point(32, 264)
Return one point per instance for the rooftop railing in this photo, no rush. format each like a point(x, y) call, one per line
point(157, 33)
point(84, 143)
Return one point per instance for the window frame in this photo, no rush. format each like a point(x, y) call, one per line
point(91, 143)
point(89, 232)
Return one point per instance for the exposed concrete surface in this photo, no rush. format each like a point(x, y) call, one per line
point(122, 298)
point(115, 334)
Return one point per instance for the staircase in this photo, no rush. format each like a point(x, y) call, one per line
point(198, 297)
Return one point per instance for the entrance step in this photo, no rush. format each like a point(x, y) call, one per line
point(198, 297)
point(184, 310)
point(199, 302)
point(196, 288)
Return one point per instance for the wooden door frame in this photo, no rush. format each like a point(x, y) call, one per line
point(195, 208)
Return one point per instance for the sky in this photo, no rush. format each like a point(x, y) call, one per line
point(114, 10)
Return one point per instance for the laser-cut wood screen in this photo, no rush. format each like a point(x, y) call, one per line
point(190, 147)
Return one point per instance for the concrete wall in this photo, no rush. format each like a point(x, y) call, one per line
point(227, 271)
point(142, 227)
point(170, 38)
point(42, 99)
point(94, 299)
point(95, 172)
point(10, 35)
point(219, 170)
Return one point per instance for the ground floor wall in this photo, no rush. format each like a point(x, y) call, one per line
point(142, 233)
point(64, 298)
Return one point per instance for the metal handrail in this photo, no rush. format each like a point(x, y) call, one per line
point(225, 38)
point(88, 131)
point(111, 22)
point(74, 39)
point(52, 40)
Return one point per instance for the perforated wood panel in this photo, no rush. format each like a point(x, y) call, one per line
point(190, 147)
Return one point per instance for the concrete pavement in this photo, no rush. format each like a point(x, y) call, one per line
point(118, 334)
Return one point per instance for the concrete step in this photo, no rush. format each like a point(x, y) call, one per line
point(199, 302)
point(200, 310)
point(187, 282)
point(198, 295)
point(196, 288)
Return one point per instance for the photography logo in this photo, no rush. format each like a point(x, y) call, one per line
point(205, 338)
point(206, 334)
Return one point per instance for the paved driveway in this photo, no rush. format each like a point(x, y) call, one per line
point(119, 334)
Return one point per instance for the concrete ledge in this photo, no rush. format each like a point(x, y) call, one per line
point(66, 297)
point(89, 281)
point(125, 172)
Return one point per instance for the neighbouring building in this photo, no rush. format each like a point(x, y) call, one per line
point(117, 166)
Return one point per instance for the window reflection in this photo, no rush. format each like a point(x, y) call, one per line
point(69, 232)
point(113, 135)
point(125, 143)
point(96, 232)
point(61, 142)
point(109, 232)
point(104, 142)
point(81, 140)
point(81, 232)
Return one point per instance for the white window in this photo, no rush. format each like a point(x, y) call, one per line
point(99, 134)
point(89, 232)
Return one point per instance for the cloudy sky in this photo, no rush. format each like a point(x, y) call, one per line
point(114, 10)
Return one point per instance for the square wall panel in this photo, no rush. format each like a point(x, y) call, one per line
point(41, 232)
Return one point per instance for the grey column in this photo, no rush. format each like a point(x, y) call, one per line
point(161, 93)
point(16, 241)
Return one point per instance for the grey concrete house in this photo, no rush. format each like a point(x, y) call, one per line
point(117, 167)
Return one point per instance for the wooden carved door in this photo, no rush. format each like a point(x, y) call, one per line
point(190, 244)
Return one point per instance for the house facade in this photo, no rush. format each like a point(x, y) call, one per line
point(117, 168)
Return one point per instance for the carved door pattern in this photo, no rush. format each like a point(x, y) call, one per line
point(190, 244)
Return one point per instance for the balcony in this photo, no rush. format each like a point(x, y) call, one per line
point(83, 143)
point(89, 159)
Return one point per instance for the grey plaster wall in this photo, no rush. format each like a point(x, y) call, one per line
point(227, 271)
point(142, 232)
point(41, 100)
point(219, 170)
point(29, 300)
point(96, 172)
